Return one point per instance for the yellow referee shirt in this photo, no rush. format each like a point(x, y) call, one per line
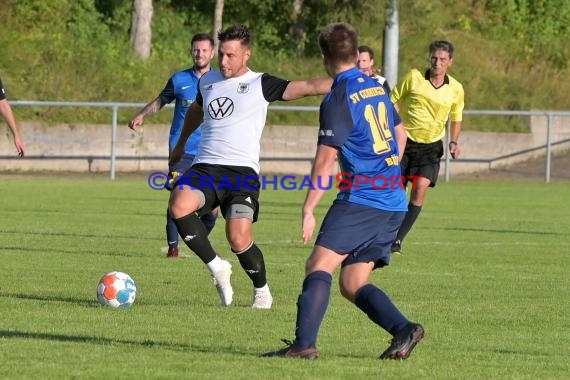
point(424, 109)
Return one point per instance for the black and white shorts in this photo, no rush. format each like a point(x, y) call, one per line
point(234, 188)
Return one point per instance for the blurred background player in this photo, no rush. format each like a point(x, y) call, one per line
point(366, 134)
point(366, 65)
point(182, 87)
point(8, 115)
point(425, 100)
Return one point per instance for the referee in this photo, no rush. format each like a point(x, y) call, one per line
point(425, 101)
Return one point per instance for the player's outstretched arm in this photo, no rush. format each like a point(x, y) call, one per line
point(6, 111)
point(325, 161)
point(151, 108)
point(300, 88)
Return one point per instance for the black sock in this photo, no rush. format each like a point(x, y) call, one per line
point(195, 236)
point(409, 220)
point(251, 260)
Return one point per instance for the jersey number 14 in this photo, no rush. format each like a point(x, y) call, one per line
point(378, 122)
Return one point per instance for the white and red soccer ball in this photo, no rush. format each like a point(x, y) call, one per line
point(116, 289)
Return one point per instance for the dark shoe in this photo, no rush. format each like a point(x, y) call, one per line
point(172, 252)
point(404, 342)
point(397, 247)
point(293, 352)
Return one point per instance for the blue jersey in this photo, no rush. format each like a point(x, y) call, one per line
point(182, 86)
point(358, 117)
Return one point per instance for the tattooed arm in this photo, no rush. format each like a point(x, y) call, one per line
point(165, 97)
point(150, 109)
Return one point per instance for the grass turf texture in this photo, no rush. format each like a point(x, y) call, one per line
point(484, 269)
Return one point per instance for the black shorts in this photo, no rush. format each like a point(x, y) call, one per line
point(422, 160)
point(223, 185)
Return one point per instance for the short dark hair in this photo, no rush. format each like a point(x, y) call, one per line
point(339, 42)
point(202, 37)
point(236, 33)
point(441, 45)
point(366, 49)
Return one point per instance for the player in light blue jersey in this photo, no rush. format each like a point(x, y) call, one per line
point(359, 125)
point(182, 87)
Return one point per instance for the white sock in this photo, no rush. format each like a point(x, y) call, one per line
point(265, 288)
point(215, 265)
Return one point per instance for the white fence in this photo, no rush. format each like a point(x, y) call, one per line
point(550, 130)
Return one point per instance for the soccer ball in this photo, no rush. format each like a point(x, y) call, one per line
point(116, 289)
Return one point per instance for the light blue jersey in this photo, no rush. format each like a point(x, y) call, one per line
point(182, 87)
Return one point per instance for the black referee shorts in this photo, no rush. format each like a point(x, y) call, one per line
point(422, 160)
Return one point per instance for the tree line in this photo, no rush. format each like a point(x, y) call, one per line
point(510, 54)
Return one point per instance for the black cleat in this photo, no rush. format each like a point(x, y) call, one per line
point(404, 342)
point(291, 351)
point(397, 247)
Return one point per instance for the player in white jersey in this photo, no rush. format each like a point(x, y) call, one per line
point(366, 65)
point(232, 106)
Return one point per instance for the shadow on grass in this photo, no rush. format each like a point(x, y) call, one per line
point(146, 343)
point(95, 304)
point(77, 235)
point(35, 297)
point(501, 231)
point(101, 340)
point(70, 251)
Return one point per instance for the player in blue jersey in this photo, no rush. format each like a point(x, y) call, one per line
point(182, 87)
point(359, 125)
point(6, 112)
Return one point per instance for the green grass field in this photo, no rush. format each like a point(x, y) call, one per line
point(485, 270)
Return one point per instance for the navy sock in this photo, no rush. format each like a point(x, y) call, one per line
point(409, 220)
point(312, 305)
point(171, 231)
point(251, 260)
point(195, 236)
point(380, 309)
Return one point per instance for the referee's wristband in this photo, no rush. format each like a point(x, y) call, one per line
point(453, 142)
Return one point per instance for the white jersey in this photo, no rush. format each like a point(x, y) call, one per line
point(235, 111)
point(382, 82)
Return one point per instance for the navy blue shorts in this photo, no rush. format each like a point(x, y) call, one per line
point(182, 165)
point(177, 170)
point(363, 232)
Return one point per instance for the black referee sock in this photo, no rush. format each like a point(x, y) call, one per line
point(195, 236)
point(251, 260)
point(409, 220)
